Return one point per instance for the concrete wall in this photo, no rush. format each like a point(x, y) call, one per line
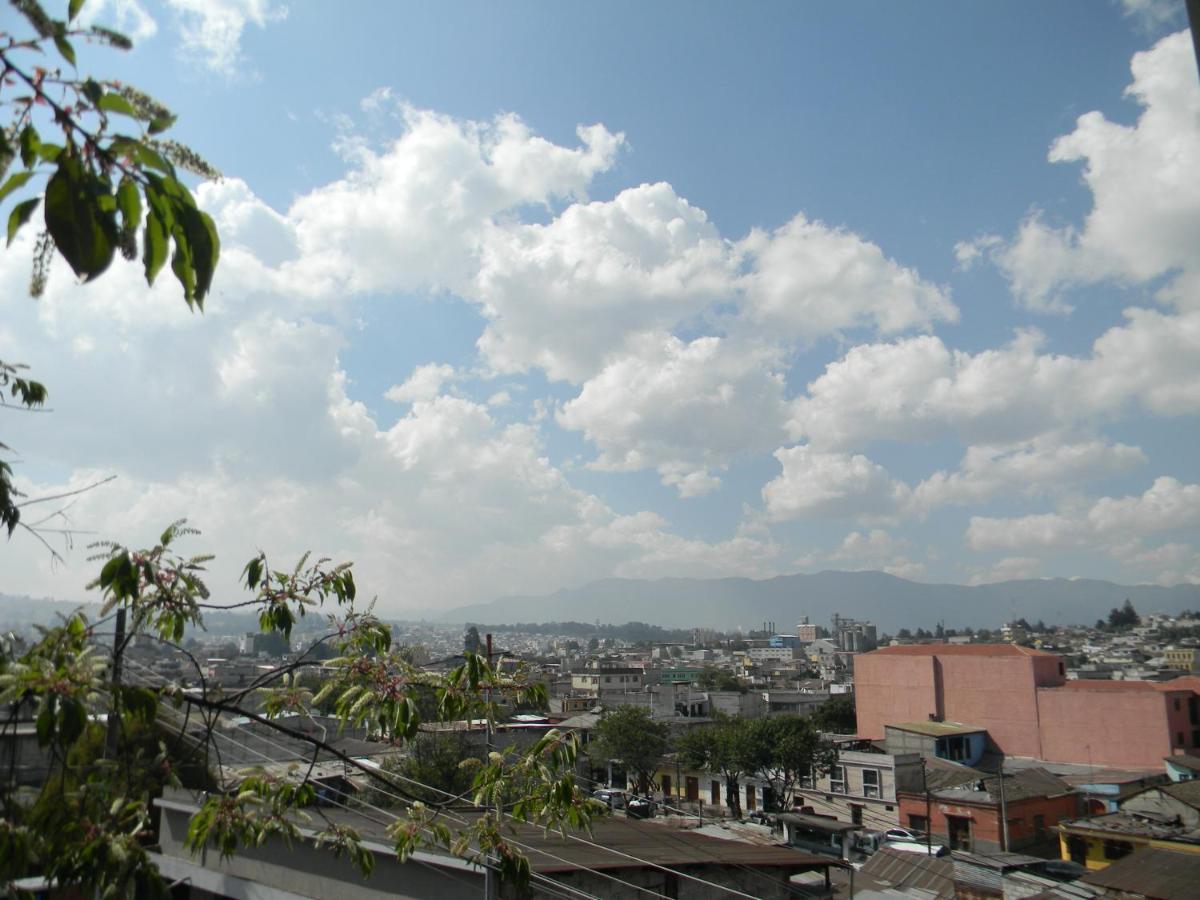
point(891, 689)
point(1104, 726)
point(996, 693)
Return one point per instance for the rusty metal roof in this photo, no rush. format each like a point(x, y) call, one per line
point(898, 870)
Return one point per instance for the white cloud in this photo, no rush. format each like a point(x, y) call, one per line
point(815, 484)
point(1145, 218)
point(210, 31)
point(415, 214)
point(878, 550)
point(566, 295)
point(1153, 15)
point(682, 408)
point(424, 383)
point(1011, 568)
point(1045, 465)
point(808, 280)
point(1109, 522)
point(918, 389)
point(127, 16)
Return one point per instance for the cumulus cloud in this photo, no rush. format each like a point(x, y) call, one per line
point(682, 408)
point(807, 280)
point(918, 389)
point(424, 383)
point(878, 550)
point(1167, 505)
point(1144, 223)
point(815, 484)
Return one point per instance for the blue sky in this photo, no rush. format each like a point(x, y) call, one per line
point(514, 296)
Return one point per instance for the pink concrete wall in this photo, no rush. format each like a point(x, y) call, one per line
point(996, 693)
point(1117, 728)
point(892, 689)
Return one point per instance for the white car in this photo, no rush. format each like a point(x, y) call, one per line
point(903, 835)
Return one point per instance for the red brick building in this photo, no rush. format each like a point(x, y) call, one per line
point(1021, 696)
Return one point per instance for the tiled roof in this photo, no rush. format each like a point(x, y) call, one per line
point(1184, 791)
point(1151, 872)
point(961, 650)
point(1185, 760)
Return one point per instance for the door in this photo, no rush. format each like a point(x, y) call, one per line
point(715, 794)
point(959, 828)
point(750, 798)
point(692, 787)
point(666, 785)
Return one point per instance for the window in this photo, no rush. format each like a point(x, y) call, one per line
point(1179, 739)
point(809, 780)
point(1039, 826)
point(1196, 738)
point(1117, 849)
point(1062, 669)
point(918, 823)
point(1177, 706)
point(837, 779)
point(870, 782)
point(856, 814)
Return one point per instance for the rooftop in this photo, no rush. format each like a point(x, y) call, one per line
point(961, 650)
point(1184, 761)
point(1151, 872)
point(937, 729)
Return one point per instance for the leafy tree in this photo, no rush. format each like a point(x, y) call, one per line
point(1124, 618)
point(472, 643)
point(837, 715)
point(441, 761)
point(714, 678)
point(630, 734)
point(726, 748)
point(786, 749)
point(904, 634)
point(91, 155)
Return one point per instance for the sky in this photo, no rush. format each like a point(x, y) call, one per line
point(517, 296)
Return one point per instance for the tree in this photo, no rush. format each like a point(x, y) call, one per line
point(787, 749)
point(441, 761)
point(717, 679)
point(472, 643)
point(904, 634)
point(90, 824)
point(1124, 618)
point(630, 734)
point(107, 172)
point(726, 748)
point(837, 715)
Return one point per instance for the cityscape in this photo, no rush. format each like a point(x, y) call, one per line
point(525, 450)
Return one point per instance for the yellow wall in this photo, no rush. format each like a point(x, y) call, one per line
point(1095, 845)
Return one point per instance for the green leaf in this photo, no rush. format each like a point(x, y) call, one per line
point(15, 181)
point(84, 233)
point(161, 124)
point(72, 719)
point(148, 156)
point(74, 8)
point(183, 266)
point(204, 248)
point(93, 91)
point(65, 48)
point(154, 253)
point(45, 723)
point(20, 215)
point(129, 201)
point(31, 143)
point(253, 572)
point(115, 103)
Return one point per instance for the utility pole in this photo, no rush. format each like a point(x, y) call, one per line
point(1003, 812)
point(114, 708)
point(491, 878)
point(928, 810)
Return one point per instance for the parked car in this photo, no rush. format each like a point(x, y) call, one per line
point(640, 808)
point(615, 799)
point(904, 834)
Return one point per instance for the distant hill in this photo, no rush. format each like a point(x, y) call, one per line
point(890, 602)
point(17, 611)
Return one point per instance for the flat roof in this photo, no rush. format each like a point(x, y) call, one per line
point(960, 650)
point(936, 729)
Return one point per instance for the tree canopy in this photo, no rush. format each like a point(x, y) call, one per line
point(629, 734)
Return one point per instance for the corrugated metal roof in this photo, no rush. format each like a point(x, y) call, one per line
point(1153, 873)
point(896, 869)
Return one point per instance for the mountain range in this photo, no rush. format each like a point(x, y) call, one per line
point(888, 601)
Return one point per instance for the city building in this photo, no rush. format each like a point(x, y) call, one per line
point(1022, 698)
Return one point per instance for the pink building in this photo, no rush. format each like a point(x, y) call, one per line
point(1021, 696)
